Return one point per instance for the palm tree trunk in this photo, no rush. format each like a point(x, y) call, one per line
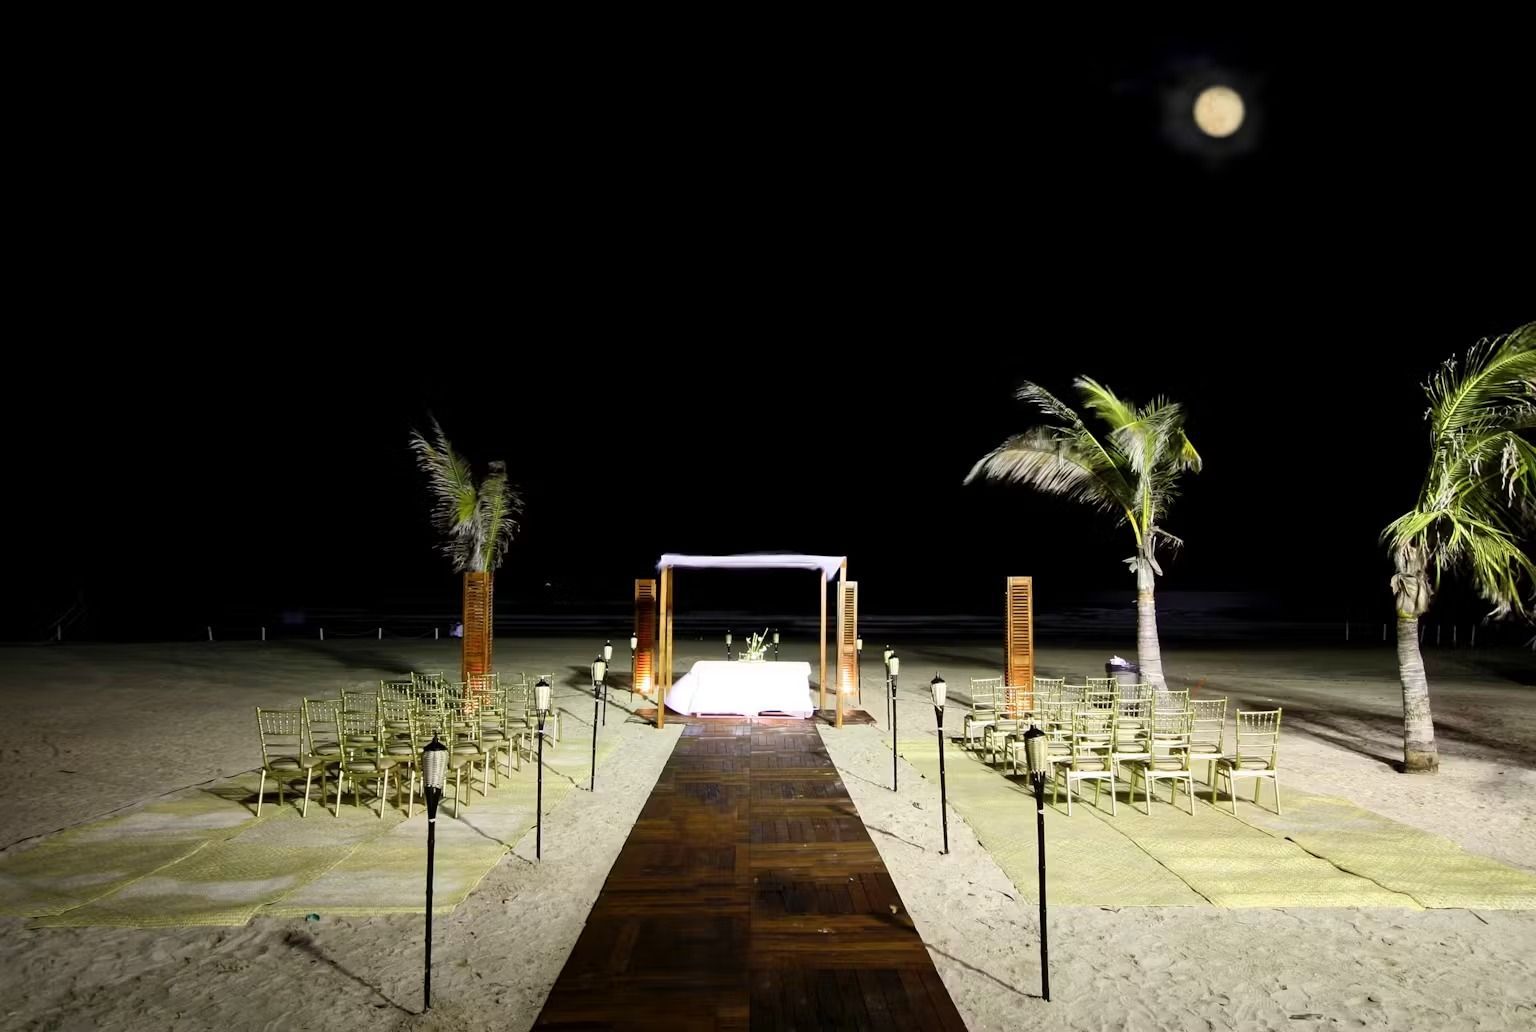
point(1419, 753)
point(1149, 653)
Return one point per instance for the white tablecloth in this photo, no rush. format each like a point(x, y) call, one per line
point(716, 686)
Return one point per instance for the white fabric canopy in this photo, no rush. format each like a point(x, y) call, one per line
point(829, 565)
point(717, 686)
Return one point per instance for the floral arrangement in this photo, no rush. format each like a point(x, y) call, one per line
point(756, 650)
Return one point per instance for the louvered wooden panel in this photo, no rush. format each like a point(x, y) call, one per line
point(476, 647)
point(847, 637)
point(644, 672)
point(1019, 667)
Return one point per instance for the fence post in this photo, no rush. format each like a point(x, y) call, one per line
point(210, 633)
point(381, 634)
point(322, 634)
point(263, 634)
point(434, 634)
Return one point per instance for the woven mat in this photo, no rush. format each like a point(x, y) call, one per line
point(1433, 870)
point(225, 882)
point(388, 876)
point(1132, 859)
point(76, 866)
point(1088, 863)
point(202, 858)
point(1233, 864)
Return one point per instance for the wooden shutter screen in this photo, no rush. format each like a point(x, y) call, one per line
point(645, 631)
point(475, 651)
point(1019, 664)
point(847, 638)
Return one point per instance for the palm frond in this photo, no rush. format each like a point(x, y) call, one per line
point(1104, 403)
point(1134, 470)
point(477, 522)
point(498, 509)
point(1052, 460)
point(1476, 504)
point(1495, 372)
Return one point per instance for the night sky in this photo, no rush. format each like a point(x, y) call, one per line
point(750, 304)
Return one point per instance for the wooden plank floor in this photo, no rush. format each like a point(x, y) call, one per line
point(749, 895)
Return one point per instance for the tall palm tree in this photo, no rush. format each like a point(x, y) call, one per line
point(1133, 471)
point(1475, 512)
point(478, 522)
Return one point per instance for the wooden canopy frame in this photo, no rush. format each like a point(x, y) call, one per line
point(667, 602)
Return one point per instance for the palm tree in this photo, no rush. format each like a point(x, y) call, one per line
point(1133, 471)
point(478, 522)
point(1474, 513)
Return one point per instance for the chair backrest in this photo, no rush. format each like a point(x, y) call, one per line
point(1071, 692)
point(396, 711)
point(364, 701)
point(429, 687)
point(1092, 737)
point(1258, 736)
point(1136, 691)
point(282, 733)
point(320, 731)
point(1049, 684)
point(360, 739)
point(1208, 718)
point(1133, 726)
point(401, 689)
point(1171, 731)
point(1056, 716)
point(1099, 699)
point(1101, 684)
point(1133, 710)
point(1015, 701)
point(1170, 701)
point(984, 694)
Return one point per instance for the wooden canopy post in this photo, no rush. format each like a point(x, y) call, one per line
point(664, 647)
point(821, 685)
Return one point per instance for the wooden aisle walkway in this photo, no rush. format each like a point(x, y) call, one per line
point(749, 895)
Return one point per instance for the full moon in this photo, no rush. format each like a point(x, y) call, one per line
point(1219, 111)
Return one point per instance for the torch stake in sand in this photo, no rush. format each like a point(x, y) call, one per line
point(1036, 753)
point(895, 667)
point(434, 770)
point(599, 672)
point(541, 702)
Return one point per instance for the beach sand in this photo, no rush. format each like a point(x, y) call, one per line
point(93, 729)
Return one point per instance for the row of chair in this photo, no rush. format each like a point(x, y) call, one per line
point(1100, 726)
point(374, 737)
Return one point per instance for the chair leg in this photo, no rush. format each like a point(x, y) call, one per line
point(1232, 785)
point(410, 799)
point(261, 790)
point(308, 776)
point(1276, 782)
point(1114, 810)
point(1189, 789)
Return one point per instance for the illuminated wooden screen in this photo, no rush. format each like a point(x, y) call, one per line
point(1019, 650)
point(644, 672)
point(476, 647)
point(847, 639)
